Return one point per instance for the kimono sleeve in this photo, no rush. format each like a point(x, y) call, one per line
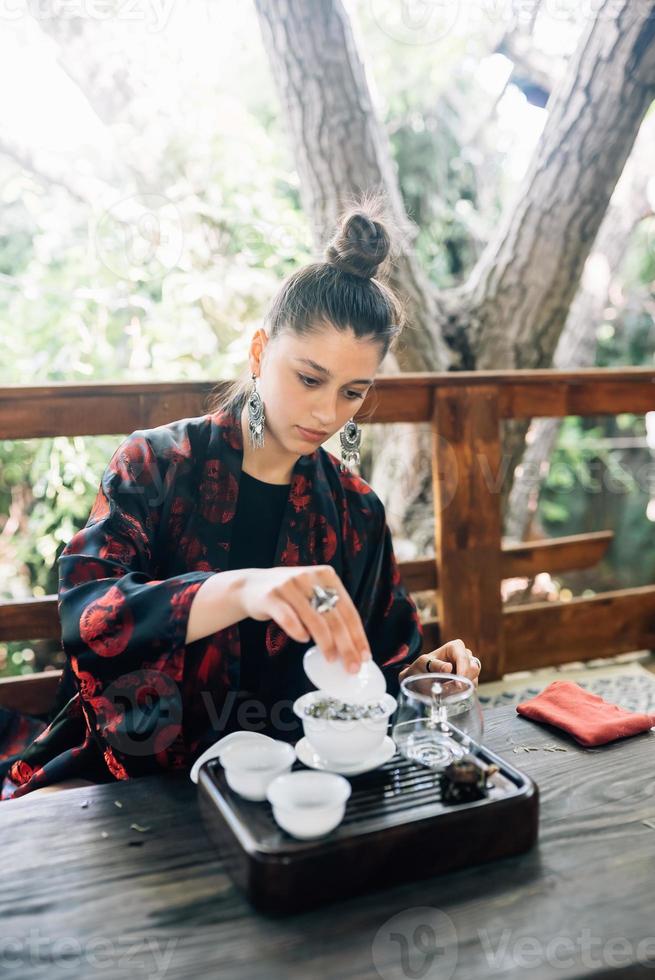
point(115, 616)
point(388, 612)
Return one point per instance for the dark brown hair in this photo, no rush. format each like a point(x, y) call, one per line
point(345, 290)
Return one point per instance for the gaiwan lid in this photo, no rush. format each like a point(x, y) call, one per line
point(331, 677)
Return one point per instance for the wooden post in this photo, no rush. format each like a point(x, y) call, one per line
point(467, 480)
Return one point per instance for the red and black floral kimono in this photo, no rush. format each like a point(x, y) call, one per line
point(144, 701)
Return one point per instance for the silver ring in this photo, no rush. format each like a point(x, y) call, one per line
point(323, 599)
point(427, 666)
point(478, 662)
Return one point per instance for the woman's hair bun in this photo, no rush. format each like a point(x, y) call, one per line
point(360, 246)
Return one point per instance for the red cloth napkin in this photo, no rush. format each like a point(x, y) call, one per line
point(588, 717)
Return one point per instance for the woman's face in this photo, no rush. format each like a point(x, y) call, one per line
point(314, 382)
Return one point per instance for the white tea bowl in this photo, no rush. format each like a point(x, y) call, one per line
point(251, 766)
point(308, 804)
point(341, 742)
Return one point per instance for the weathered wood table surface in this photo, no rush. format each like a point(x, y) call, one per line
point(86, 895)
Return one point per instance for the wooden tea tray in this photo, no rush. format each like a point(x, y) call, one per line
point(395, 829)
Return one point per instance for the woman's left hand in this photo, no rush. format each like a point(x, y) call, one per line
point(453, 657)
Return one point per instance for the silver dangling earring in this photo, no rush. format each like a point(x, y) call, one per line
point(350, 438)
point(256, 416)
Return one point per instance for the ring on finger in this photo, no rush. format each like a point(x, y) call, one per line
point(323, 599)
point(477, 661)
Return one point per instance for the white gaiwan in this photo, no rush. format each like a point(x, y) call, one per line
point(344, 741)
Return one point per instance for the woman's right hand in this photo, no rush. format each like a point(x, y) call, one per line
point(284, 593)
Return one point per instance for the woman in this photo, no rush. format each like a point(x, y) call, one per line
point(220, 547)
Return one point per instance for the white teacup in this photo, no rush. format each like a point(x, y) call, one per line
point(343, 742)
point(308, 804)
point(250, 767)
point(216, 750)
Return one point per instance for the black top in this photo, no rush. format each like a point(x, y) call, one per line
point(260, 508)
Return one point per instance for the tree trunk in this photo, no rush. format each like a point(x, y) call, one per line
point(342, 151)
point(577, 343)
point(107, 85)
point(516, 300)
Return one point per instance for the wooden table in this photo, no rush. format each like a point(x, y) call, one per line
point(158, 904)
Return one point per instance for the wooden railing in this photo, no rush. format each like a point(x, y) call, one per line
point(465, 411)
